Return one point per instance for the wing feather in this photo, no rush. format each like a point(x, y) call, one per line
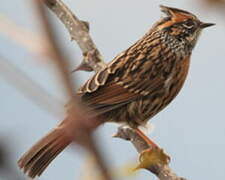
point(133, 74)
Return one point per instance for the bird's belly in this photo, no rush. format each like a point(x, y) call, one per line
point(142, 110)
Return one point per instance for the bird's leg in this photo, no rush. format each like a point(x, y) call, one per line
point(150, 143)
point(152, 154)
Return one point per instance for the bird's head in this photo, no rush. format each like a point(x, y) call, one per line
point(183, 25)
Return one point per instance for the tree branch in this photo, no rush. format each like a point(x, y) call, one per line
point(79, 31)
point(162, 171)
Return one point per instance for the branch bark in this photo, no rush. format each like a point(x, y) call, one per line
point(79, 31)
point(163, 172)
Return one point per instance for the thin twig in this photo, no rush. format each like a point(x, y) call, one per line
point(163, 172)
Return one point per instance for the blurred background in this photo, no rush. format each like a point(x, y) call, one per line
point(191, 129)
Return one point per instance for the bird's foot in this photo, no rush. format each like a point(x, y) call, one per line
point(152, 157)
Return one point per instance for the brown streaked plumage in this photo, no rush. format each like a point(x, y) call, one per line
point(135, 86)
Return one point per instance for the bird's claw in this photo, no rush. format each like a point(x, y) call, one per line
point(151, 157)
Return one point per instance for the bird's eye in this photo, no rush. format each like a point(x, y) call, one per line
point(189, 24)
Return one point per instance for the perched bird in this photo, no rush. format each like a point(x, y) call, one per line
point(135, 86)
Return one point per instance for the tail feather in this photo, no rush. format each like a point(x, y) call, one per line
point(37, 159)
point(40, 161)
point(53, 156)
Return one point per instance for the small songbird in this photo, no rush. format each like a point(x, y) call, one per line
point(135, 86)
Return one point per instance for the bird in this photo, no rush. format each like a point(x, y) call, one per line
point(132, 88)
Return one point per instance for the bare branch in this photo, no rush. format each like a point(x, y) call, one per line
point(79, 31)
point(163, 172)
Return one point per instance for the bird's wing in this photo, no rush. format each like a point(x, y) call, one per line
point(132, 74)
point(103, 91)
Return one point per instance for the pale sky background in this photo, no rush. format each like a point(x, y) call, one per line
point(191, 129)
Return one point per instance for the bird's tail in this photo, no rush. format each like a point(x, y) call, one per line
point(37, 159)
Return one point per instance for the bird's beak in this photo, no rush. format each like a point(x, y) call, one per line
point(205, 25)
